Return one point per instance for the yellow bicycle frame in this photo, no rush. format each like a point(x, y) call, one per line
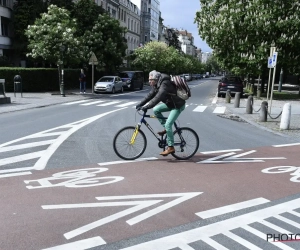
point(135, 133)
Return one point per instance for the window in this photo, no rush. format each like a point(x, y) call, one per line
point(131, 24)
point(128, 24)
point(146, 38)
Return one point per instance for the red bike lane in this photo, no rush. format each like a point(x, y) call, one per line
point(98, 204)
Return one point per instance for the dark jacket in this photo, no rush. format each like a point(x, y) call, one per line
point(164, 91)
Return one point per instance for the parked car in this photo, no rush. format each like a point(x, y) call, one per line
point(132, 79)
point(109, 84)
point(232, 83)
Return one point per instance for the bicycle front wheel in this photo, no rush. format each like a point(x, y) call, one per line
point(186, 143)
point(128, 145)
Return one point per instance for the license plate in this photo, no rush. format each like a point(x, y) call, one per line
point(231, 87)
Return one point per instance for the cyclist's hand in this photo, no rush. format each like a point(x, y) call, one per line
point(144, 109)
point(138, 107)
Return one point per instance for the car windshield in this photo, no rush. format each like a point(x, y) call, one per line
point(126, 74)
point(231, 80)
point(106, 79)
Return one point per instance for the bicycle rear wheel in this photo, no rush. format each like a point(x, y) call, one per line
point(125, 148)
point(186, 143)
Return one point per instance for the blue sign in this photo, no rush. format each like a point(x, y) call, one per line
point(270, 62)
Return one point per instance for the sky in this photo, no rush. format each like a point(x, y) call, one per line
point(181, 14)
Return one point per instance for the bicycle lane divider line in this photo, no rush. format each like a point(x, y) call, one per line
point(120, 162)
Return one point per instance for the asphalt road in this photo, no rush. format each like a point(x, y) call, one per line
point(61, 187)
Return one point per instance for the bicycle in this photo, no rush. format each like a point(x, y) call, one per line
point(130, 142)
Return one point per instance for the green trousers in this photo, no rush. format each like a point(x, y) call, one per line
point(168, 123)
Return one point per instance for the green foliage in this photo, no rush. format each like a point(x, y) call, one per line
point(25, 13)
point(106, 41)
point(86, 12)
point(158, 56)
point(66, 4)
point(52, 37)
point(212, 65)
point(241, 32)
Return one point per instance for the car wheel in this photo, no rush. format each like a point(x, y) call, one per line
point(122, 90)
point(113, 90)
point(219, 94)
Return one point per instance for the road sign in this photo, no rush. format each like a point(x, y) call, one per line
point(93, 59)
point(270, 61)
point(274, 59)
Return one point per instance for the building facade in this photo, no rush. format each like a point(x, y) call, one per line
point(205, 56)
point(149, 19)
point(6, 31)
point(187, 42)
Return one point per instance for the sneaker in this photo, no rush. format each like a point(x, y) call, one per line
point(168, 151)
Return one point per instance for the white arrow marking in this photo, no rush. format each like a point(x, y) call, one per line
point(138, 205)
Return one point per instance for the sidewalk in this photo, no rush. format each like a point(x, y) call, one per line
point(37, 100)
point(271, 124)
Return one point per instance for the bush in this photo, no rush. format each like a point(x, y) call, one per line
point(44, 79)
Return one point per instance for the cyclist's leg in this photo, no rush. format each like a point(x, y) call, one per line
point(169, 124)
point(158, 109)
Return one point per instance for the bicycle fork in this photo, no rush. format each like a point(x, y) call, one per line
point(135, 133)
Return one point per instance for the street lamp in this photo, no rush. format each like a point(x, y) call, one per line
point(62, 86)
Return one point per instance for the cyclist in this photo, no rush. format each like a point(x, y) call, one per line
point(163, 90)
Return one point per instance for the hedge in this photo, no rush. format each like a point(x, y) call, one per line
point(44, 79)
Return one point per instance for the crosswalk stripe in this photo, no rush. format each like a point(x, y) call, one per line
point(214, 244)
point(108, 103)
point(241, 241)
point(125, 104)
point(91, 103)
point(263, 236)
point(200, 108)
point(288, 221)
point(70, 103)
point(219, 110)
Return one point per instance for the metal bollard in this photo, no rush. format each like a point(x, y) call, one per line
point(249, 108)
point(237, 98)
point(258, 92)
point(228, 96)
point(286, 116)
point(263, 111)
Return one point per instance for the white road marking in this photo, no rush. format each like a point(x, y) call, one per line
point(286, 145)
point(76, 102)
point(219, 110)
point(214, 244)
point(214, 101)
point(26, 145)
point(46, 154)
point(125, 104)
point(91, 103)
point(204, 232)
point(200, 108)
point(120, 162)
point(108, 103)
point(220, 151)
point(23, 157)
point(288, 221)
point(80, 245)
point(263, 236)
point(138, 205)
point(241, 241)
point(231, 208)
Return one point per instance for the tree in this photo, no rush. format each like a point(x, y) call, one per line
point(52, 38)
point(86, 12)
point(173, 40)
point(66, 4)
point(105, 39)
point(212, 64)
point(241, 32)
point(25, 13)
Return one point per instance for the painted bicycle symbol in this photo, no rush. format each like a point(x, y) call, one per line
point(77, 178)
point(285, 169)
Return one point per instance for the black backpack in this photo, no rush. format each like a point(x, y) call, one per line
point(183, 90)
